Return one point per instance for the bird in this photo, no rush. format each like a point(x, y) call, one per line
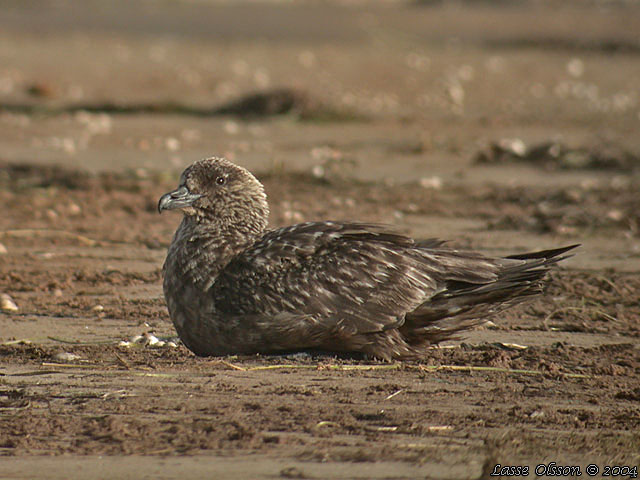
point(234, 286)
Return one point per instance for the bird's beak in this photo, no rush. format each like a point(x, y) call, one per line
point(179, 198)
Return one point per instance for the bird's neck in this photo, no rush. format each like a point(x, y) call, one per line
point(200, 250)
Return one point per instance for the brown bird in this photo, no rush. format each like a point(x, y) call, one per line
point(233, 286)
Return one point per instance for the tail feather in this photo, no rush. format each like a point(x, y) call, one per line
point(547, 255)
point(461, 305)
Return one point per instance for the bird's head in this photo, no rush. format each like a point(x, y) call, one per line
point(216, 191)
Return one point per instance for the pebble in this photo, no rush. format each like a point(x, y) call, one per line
point(433, 183)
point(232, 128)
point(7, 304)
point(98, 309)
point(615, 215)
point(172, 144)
point(3, 249)
point(74, 209)
point(154, 341)
point(65, 357)
point(318, 171)
point(514, 145)
point(575, 67)
point(149, 340)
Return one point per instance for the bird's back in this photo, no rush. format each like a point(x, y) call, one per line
point(360, 282)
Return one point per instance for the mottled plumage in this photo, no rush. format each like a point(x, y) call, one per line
point(234, 287)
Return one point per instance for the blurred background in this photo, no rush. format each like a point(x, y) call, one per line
point(405, 88)
point(486, 97)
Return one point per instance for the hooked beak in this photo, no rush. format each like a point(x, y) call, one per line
point(179, 198)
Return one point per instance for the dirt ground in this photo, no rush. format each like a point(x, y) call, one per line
point(421, 115)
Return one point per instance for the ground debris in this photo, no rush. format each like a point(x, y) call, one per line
point(7, 304)
point(552, 155)
point(65, 357)
point(282, 100)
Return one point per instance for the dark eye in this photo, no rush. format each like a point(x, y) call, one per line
point(220, 180)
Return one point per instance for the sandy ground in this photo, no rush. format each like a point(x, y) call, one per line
point(501, 127)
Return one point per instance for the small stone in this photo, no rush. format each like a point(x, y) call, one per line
point(514, 145)
point(7, 304)
point(98, 309)
point(575, 67)
point(537, 414)
point(231, 127)
point(318, 171)
point(68, 145)
point(172, 144)
point(74, 209)
point(65, 357)
point(615, 215)
point(151, 340)
point(432, 183)
point(3, 249)
point(411, 208)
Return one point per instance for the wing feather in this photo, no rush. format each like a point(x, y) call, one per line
point(356, 277)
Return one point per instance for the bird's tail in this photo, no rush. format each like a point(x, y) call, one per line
point(462, 304)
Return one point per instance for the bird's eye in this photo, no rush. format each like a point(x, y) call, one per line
point(220, 180)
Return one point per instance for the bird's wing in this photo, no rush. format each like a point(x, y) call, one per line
point(359, 278)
